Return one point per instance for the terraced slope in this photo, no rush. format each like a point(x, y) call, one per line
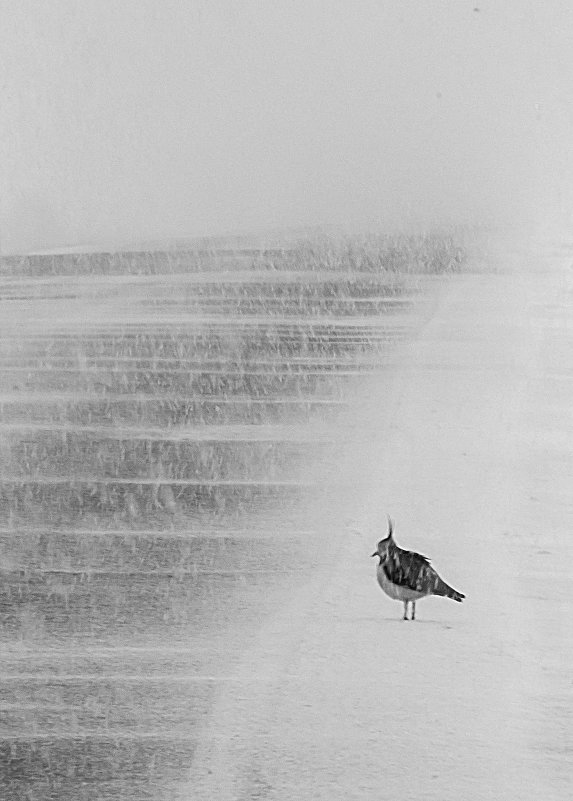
point(163, 422)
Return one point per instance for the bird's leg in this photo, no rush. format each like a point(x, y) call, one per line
point(413, 615)
point(405, 610)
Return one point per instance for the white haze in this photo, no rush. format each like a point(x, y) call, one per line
point(141, 119)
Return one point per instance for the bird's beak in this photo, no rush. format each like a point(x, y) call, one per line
point(374, 554)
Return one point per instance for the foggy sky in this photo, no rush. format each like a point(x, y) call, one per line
point(137, 119)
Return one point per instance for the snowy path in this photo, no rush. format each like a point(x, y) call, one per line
point(340, 699)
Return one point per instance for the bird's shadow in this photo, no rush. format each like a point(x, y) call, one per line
point(417, 622)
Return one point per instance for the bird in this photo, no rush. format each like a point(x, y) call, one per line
point(408, 576)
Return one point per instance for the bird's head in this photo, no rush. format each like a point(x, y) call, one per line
point(383, 545)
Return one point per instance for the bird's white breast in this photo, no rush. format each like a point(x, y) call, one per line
point(395, 591)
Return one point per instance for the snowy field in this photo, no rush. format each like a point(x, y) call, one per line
point(467, 442)
point(196, 467)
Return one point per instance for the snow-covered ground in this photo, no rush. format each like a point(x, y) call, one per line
point(468, 444)
point(195, 472)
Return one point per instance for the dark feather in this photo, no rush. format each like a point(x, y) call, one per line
point(408, 569)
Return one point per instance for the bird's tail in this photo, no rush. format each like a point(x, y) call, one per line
point(441, 588)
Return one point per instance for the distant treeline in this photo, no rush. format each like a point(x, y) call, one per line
point(429, 253)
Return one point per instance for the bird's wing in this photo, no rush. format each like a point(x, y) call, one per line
point(410, 569)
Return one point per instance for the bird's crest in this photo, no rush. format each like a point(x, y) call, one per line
point(386, 544)
point(390, 528)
